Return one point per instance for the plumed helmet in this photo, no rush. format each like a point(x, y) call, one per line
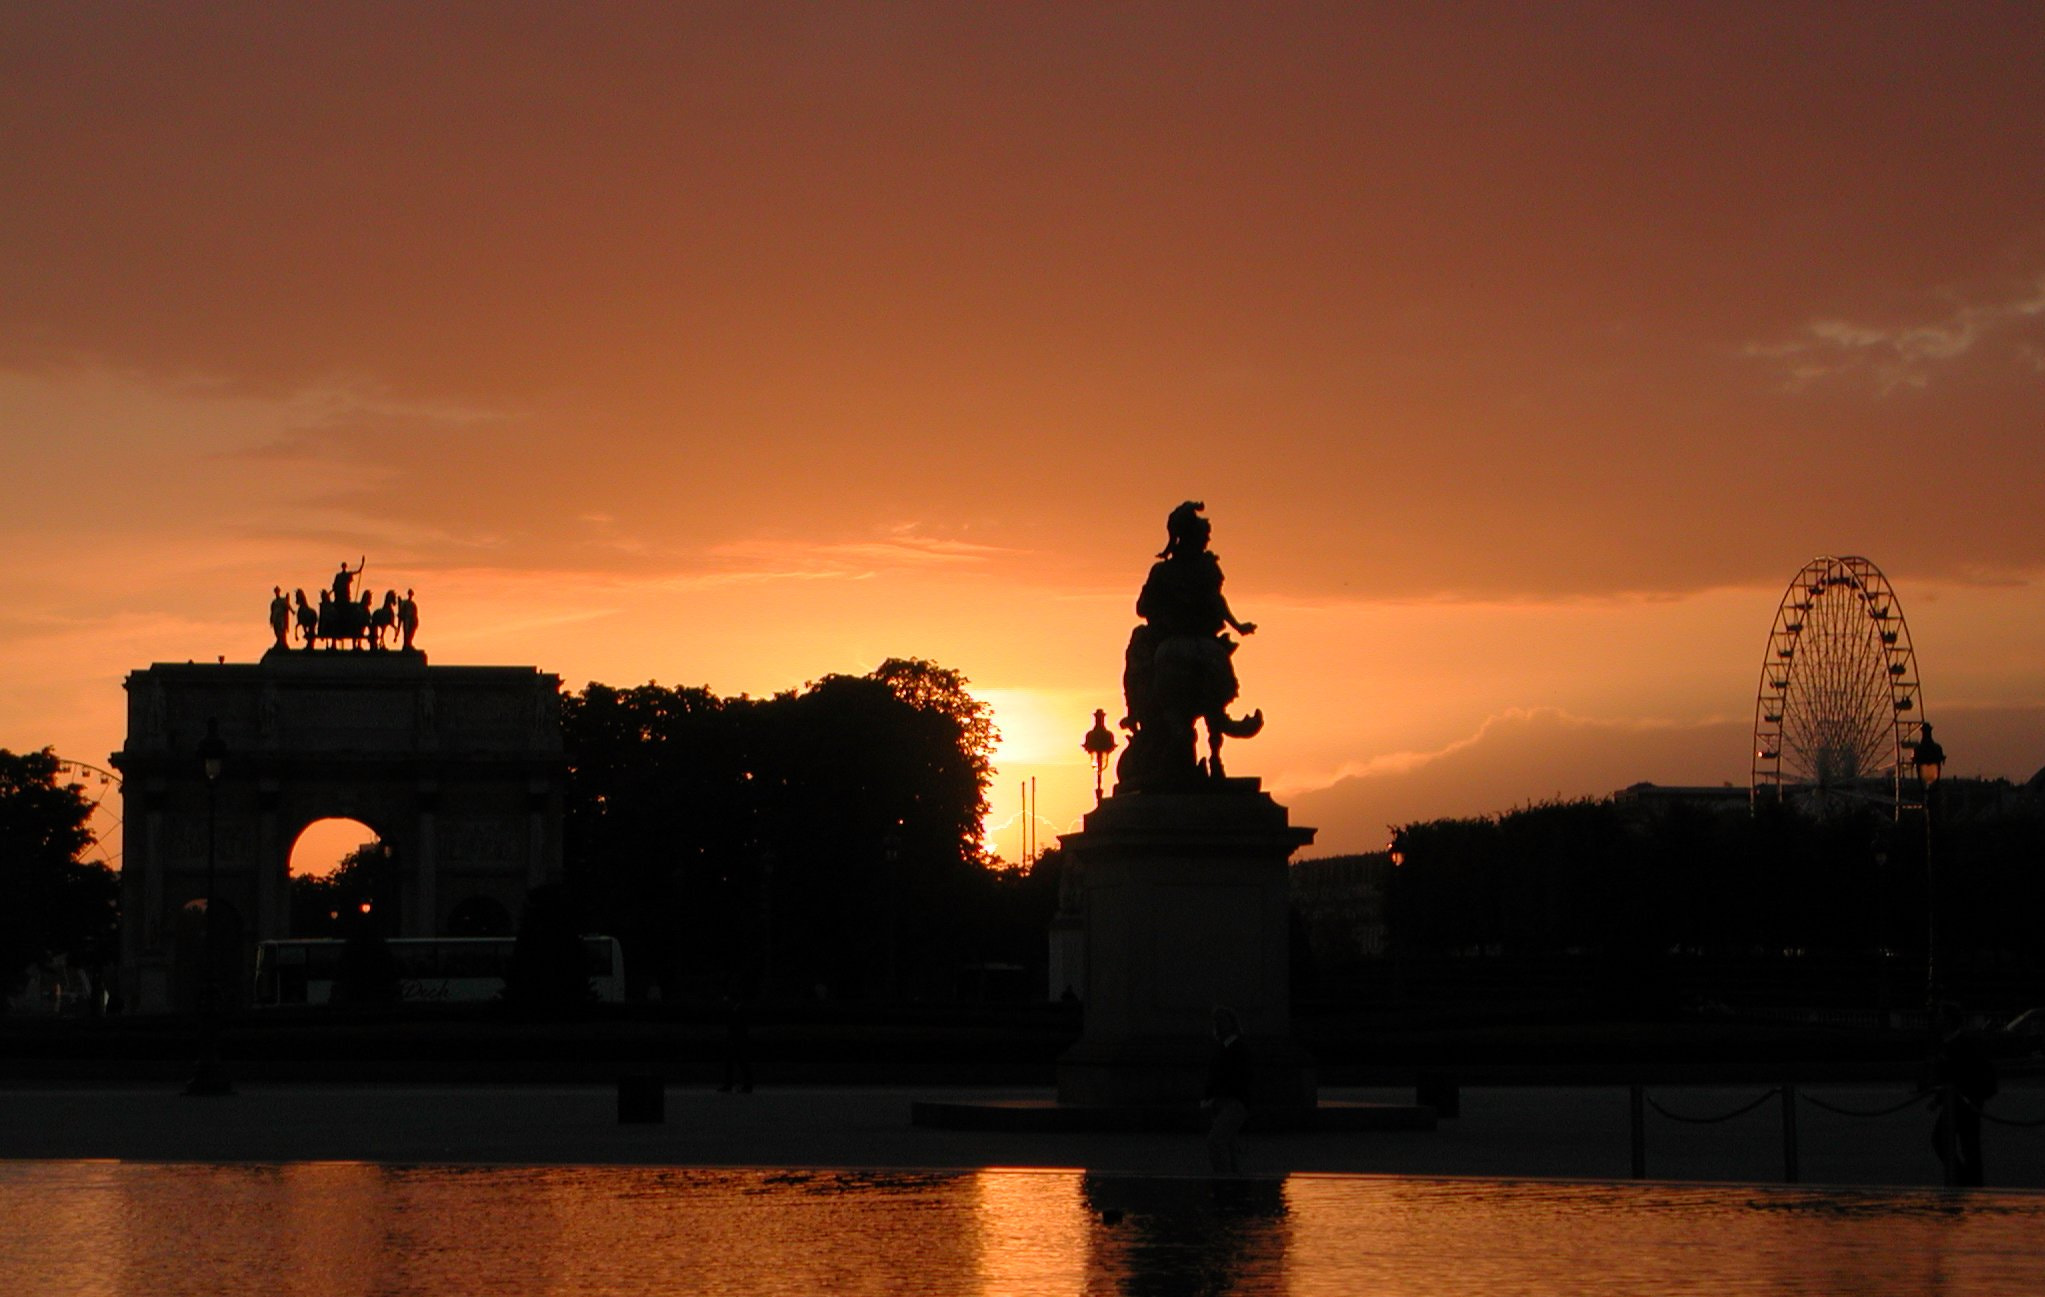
point(1184, 526)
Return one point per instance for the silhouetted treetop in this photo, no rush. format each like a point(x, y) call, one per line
point(815, 836)
point(51, 902)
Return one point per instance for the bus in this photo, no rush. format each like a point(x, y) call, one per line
point(303, 970)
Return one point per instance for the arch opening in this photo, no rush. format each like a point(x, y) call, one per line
point(341, 875)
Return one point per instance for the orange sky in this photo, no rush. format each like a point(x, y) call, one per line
point(1522, 354)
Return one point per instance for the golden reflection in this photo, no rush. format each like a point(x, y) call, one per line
point(1031, 1230)
point(56, 1219)
point(354, 1229)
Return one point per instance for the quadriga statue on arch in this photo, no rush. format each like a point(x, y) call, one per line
point(1179, 666)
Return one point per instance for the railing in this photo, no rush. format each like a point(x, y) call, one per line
point(1947, 1098)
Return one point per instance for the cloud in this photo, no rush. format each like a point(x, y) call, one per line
point(1907, 354)
point(900, 547)
point(1515, 757)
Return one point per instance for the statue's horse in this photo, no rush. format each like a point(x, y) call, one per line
point(383, 619)
point(1171, 682)
point(344, 620)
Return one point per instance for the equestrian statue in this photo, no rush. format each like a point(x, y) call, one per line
point(1179, 666)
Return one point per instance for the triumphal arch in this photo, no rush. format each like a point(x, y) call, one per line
point(458, 770)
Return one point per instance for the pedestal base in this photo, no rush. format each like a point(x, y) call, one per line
point(1185, 903)
point(1148, 1071)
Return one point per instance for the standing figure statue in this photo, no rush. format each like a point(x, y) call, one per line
point(1178, 667)
point(348, 613)
point(344, 580)
point(280, 615)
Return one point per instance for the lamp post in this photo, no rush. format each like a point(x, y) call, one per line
point(210, 1079)
point(1099, 742)
point(1882, 1005)
point(1930, 760)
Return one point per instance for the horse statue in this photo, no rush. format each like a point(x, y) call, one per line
point(308, 621)
point(343, 619)
point(343, 616)
point(383, 619)
point(1178, 668)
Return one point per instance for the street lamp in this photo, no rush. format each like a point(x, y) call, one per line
point(210, 1079)
point(1930, 760)
point(1099, 742)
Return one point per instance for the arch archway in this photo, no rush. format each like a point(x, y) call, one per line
point(457, 771)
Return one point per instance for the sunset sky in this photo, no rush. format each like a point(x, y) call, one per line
point(1521, 352)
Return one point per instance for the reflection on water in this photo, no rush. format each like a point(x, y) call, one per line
point(352, 1228)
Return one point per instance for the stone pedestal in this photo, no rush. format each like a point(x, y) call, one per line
point(1185, 910)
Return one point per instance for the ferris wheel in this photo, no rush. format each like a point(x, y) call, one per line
point(101, 789)
point(1839, 706)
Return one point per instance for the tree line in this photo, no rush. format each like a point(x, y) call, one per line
point(1637, 885)
point(821, 842)
point(54, 905)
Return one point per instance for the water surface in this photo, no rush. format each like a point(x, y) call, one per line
point(157, 1230)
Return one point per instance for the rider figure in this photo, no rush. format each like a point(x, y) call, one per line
point(1182, 595)
point(1177, 667)
point(344, 580)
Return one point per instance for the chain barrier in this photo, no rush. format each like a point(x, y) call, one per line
point(1919, 1097)
point(1740, 1111)
point(1642, 1101)
point(2014, 1123)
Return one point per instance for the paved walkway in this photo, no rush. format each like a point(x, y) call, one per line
point(1564, 1132)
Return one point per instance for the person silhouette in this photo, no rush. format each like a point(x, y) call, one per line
point(408, 619)
point(1963, 1072)
point(1228, 1093)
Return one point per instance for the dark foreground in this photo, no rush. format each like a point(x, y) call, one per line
point(1559, 1131)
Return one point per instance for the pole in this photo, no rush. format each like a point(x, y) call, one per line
point(210, 1080)
point(1639, 1113)
point(1931, 984)
point(1790, 1170)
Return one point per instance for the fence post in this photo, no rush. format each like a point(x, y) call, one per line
point(1789, 1150)
point(1640, 1132)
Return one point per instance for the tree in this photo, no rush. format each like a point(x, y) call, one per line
point(548, 967)
point(332, 906)
point(51, 902)
point(827, 835)
point(662, 793)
